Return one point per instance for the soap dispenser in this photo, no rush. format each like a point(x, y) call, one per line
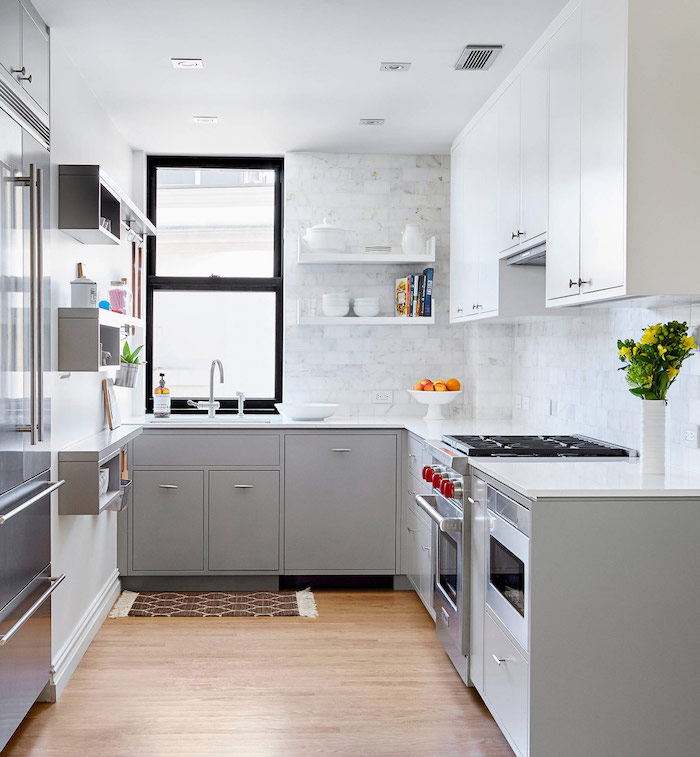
point(161, 399)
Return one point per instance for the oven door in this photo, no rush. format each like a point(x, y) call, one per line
point(508, 576)
point(448, 595)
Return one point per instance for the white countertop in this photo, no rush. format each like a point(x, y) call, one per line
point(562, 479)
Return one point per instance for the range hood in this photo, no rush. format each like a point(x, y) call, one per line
point(533, 256)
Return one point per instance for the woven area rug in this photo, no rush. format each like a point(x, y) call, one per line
point(215, 604)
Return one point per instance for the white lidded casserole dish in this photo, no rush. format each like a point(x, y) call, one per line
point(325, 237)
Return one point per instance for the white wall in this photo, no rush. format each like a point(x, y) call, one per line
point(83, 547)
point(374, 195)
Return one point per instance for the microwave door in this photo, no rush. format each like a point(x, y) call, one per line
point(15, 375)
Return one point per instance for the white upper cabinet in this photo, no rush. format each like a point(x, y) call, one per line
point(10, 35)
point(534, 109)
point(507, 111)
point(35, 59)
point(563, 245)
point(457, 232)
point(24, 50)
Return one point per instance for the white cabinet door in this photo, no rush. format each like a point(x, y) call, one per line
point(457, 233)
point(603, 106)
point(486, 145)
point(10, 21)
point(534, 95)
point(508, 110)
point(563, 246)
point(35, 59)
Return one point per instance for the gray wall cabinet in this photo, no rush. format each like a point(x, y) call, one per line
point(340, 503)
point(168, 520)
point(244, 520)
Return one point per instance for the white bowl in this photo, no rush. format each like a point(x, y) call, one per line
point(336, 311)
point(434, 401)
point(366, 311)
point(306, 411)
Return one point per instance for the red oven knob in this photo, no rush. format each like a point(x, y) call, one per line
point(437, 479)
point(427, 473)
point(449, 490)
point(443, 485)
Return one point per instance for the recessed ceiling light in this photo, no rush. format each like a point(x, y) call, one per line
point(371, 122)
point(187, 62)
point(394, 66)
point(205, 119)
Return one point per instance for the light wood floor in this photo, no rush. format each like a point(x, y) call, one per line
point(367, 677)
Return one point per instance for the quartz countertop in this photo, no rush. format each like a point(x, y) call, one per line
point(587, 479)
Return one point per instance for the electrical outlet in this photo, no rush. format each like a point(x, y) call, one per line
point(526, 403)
point(518, 401)
point(690, 435)
point(383, 397)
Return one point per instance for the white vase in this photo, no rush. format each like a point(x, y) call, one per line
point(653, 437)
point(412, 242)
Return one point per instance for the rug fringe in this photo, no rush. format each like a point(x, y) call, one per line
point(123, 604)
point(306, 604)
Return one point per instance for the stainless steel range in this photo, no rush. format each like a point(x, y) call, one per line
point(449, 476)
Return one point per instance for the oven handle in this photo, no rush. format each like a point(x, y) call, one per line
point(446, 525)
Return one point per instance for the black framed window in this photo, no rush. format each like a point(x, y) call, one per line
point(214, 283)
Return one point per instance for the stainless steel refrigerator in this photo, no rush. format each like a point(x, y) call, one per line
point(26, 583)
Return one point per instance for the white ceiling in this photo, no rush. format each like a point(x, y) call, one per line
point(291, 74)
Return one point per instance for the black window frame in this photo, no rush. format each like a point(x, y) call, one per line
point(274, 284)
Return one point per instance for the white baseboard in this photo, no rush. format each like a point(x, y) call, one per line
point(71, 653)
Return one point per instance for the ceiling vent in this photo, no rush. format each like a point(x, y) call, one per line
point(477, 57)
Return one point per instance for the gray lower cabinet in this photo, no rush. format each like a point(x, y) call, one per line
point(340, 503)
point(244, 520)
point(168, 520)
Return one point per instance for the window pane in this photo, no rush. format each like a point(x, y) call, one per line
point(216, 221)
point(190, 329)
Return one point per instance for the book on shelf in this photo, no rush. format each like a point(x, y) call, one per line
point(401, 301)
point(427, 309)
point(414, 294)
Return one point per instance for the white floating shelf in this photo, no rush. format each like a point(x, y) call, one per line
point(306, 257)
point(353, 320)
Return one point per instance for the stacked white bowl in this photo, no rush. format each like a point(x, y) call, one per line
point(336, 305)
point(365, 307)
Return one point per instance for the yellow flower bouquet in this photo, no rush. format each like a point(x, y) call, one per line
point(652, 364)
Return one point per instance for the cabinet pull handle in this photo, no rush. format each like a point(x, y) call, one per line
point(459, 310)
point(22, 71)
point(413, 494)
point(341, 449)
point(243, 486)
point(472, 501)
point(501, 660)
point(411, 455)
point(517, 234)
point(581, 282)
point(572, 283)
point(410, 530)
point(53, 585)
point(167, 486)
point(425, 549)
point(51, 486)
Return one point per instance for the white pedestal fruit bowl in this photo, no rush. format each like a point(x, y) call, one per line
point(435, 402)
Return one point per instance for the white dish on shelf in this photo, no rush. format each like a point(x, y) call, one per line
point(306, 411)
point(434, 401)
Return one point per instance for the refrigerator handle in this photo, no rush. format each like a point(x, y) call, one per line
point(40, 301)
point(32, 296)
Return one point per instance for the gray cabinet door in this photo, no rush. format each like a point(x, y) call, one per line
point(244, 520)
point(340, 503)
point(10, 21)
point(35, 59)
point(168, 520)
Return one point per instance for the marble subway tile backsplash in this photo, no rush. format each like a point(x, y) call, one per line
point(374, 196)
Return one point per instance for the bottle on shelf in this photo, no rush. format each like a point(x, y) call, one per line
point(161, 399)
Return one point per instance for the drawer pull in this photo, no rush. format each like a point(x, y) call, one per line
point(413, 494)
point(425, 549)
point(243, 486)
point(412, 455)
point(501, 660)
point(341, 449)
point(168, 486)
point(410, 530)
point(51, 486)
point(54, 582)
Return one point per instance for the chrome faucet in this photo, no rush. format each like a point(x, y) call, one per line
point(212, 405)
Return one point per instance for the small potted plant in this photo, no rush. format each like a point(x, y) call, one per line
point(129, 368)
point(652, 365)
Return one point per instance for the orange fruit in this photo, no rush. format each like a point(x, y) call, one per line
point(453, 385)
point(418, 387)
